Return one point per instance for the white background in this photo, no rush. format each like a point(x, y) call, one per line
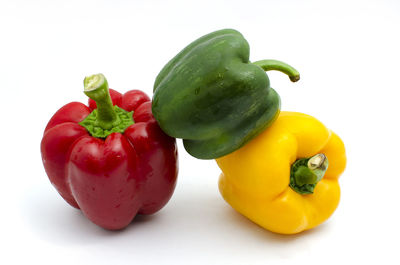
point(347, 52)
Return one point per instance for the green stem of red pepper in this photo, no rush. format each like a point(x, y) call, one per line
point(106, 119)
point(305, 173)
point(268, 65)
point(96, 88)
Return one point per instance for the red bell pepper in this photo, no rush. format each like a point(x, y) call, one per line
point(106, 161)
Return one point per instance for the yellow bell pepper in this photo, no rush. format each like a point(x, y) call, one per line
point(281, 179)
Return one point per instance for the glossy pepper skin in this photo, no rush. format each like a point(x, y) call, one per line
point(256, 178)
point(212, 97)
point(115, 178)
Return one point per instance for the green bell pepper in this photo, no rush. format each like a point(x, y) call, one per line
point(212, 97)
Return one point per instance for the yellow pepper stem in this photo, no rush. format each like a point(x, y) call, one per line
point(306, 172)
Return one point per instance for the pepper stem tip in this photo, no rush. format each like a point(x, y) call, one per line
point(317, 162)
point(294, 78)
point(93, 82)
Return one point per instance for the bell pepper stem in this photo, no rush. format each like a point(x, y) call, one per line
point(96, 88)
point(268, 65)
point(305, 173)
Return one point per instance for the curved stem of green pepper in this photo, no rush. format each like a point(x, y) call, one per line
point(268, 65)
point(96, 88)
point(306, 172)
